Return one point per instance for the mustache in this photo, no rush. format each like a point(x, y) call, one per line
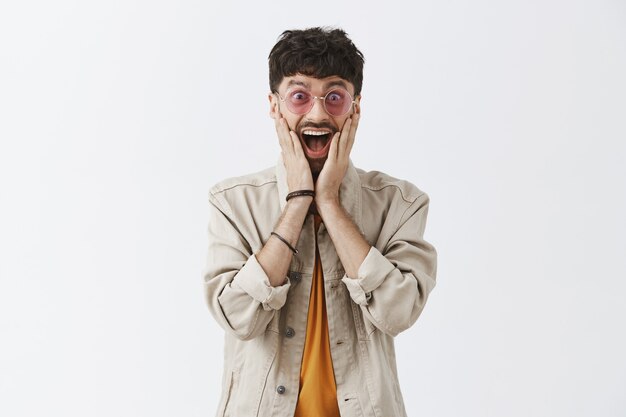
point(322, 125)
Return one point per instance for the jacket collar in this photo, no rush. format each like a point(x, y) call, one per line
point(349, 192)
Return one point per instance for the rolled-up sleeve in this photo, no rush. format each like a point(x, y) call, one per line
point(393, 284)
point(237, 289)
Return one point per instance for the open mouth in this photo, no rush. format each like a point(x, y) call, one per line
point(317, 142)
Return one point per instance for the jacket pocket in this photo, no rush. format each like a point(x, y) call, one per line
point(226, 405)
point(274, 324)
point(351, 406)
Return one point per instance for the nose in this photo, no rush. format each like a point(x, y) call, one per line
point(318, 112)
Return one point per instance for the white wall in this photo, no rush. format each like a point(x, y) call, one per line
point(116, 117)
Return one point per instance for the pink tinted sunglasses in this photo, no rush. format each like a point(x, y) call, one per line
point(337, 101)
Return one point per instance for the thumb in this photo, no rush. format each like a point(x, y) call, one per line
point(334, 145)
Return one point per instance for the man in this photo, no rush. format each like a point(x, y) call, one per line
point(314, 265)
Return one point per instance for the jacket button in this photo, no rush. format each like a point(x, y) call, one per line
point(290, 332)
point(295, 276)
point(280, 389)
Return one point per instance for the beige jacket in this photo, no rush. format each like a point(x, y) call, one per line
point(265, 326)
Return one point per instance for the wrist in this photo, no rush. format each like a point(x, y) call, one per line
point(300, 193)
point(327, 202)
point(300, 201)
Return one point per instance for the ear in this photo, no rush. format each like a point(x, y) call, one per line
point(274, 107)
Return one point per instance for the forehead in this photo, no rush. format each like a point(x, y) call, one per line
point(315, 84)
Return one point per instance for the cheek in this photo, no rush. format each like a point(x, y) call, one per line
point(294, 122)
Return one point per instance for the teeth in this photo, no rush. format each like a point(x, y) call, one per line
point(314, 133)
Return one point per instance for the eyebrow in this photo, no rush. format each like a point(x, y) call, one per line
point(326, 86)
point(335, 84)
point(300, 83)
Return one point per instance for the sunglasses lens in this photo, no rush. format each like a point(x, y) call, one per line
point(338, 102)
point(299, 102)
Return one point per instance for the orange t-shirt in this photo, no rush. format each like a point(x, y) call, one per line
point(318, 392)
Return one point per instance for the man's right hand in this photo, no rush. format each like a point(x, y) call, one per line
point(299, 175)
point(275, 257)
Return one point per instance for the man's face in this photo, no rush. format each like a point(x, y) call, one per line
point(316, 127)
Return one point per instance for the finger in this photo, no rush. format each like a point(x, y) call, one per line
point(343, 139)
point(282, 130)
point(333, 152)
point(297, 146)
point(278, 127)
point(355, 123)
point(286, 132)
point(353, 127)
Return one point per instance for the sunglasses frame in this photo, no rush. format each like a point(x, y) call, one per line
point(352, 101)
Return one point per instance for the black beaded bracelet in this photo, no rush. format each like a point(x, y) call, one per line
point(294, 250)
point(300, 193)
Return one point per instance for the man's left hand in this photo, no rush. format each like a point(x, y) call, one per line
point(330, 178)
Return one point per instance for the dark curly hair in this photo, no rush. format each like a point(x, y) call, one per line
point(316, 52)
